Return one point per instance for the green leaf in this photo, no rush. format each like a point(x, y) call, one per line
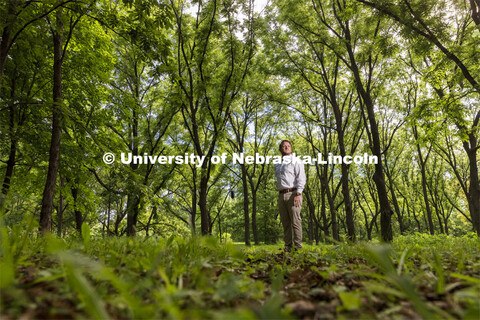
point(85, 234)
point(350, 300)
point(93, 303)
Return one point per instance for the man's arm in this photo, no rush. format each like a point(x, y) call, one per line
point(300, 177)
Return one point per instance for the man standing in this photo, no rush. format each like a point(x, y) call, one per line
point(290, 183)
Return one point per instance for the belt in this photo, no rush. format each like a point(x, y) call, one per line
point(287, 190)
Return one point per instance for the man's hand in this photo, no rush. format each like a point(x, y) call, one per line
point(297, 201)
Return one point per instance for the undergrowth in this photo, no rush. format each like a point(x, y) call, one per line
point(417, 276)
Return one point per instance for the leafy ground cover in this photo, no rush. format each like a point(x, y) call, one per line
point(198, 278)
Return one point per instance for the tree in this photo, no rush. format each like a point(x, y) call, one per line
point(211, 63)
point(428, 23)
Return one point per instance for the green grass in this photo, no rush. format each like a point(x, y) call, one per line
point(199, 278)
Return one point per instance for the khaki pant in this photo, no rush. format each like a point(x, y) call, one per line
point(291, 220)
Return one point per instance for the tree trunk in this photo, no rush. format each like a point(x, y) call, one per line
point(344, 178)
point(323, 212)
point(77, 213)
point(202, 203)
point(11, 157)
point(133, 196)
point(54, 159)
point(424, 184)
point(311, 213)
point(333, 211)
point(474, 190)
point(346, 195)
point(193, 213)
point(246, 201)
point(254, 218)
point(395, 201)
point(133, 203)
point(378, 176)
point(60, 211)
point(147, 227)
point(5, 43)
point(109, 210)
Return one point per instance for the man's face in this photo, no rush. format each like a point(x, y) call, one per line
point(285, 148)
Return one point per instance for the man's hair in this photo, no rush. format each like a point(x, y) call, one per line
point(280, 145)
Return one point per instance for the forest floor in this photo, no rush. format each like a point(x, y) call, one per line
point(416, 277)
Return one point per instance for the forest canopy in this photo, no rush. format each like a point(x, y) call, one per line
point(138, 143)
point(394, 80)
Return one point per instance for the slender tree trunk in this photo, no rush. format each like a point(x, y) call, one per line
point(133, 208)
point(311, 221)
point(118, 217)
point(202, 203)
point(438, 217)
point(5, 43)
point(109, 211)
point(333, 212)
point(323, 211)
point(378, 176)
point(246, 202)
point(254, 218)
point(11, 157)
point(76, 211)
point(424, 184)
point(419, 225)
point(395, 201)
point(54, 159)
point(445, 221)
point(346, 194)
point(474, 190)
point(154, 212)
point(133, 196)
point(193, 213)
point(220, 229)
point(311, 214)
point(60, 211)
point(344, 178)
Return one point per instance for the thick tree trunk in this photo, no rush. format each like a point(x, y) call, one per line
point(54, 159)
